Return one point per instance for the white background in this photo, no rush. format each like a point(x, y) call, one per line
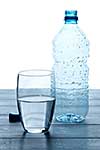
point(27, 28)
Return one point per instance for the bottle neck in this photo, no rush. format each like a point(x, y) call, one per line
point(71, 17)
point(70, 20)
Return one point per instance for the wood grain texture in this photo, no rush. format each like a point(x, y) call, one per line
point(56, 131)
point(83, 136)
point(49, 144)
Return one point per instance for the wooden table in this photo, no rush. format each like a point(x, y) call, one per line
point(83, 136)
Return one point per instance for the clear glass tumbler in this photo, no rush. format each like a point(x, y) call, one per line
point(35, 101)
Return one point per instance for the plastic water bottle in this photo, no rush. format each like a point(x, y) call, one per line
point(70, 52)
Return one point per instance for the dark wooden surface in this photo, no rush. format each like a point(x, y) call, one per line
point(83, 136)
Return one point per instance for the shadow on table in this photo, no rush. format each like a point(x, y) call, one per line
point(59, 138)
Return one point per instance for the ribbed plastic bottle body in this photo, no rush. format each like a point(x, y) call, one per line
point(70, 52)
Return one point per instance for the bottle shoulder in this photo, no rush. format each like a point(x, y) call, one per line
point(69, 41)
point(70, 32)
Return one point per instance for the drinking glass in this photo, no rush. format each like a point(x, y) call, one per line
point(34, 100)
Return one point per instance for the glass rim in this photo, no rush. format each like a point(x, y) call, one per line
point(35, 73)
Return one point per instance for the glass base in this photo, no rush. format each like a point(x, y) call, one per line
point(36, 130)
point(70, 118)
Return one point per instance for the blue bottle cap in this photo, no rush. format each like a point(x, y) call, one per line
point(71, 16)
point(71, 13)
